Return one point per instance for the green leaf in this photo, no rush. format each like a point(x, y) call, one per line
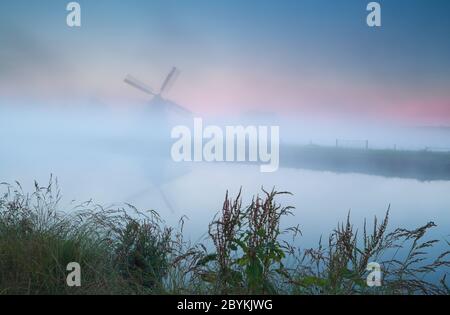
point(313, 281)
point(205, 260)
point(241, 244)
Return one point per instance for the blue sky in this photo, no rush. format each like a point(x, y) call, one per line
point(307, 56)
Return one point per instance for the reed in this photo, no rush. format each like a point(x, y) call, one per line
point(123, 250)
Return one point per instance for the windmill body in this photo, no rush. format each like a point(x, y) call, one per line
point(159, 110)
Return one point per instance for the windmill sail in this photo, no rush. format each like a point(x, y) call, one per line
point(138, 85)
point(178, 108)
point(169, 81)
point(167, 84)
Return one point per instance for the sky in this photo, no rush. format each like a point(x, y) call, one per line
point(311, 58)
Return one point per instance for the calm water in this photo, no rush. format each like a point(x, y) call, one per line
point(110, 164)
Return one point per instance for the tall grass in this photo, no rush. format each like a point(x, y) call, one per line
point(125, 251)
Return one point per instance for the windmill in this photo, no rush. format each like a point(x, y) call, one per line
point(160, 104)
point(159, 111)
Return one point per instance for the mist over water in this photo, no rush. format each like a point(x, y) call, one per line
point(116, 155)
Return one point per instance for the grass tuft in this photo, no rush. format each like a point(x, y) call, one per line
point(125, 251)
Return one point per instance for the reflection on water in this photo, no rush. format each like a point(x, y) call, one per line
point(110, 164)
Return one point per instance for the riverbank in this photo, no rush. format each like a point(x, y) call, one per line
point(420, 165)
point(125, 251)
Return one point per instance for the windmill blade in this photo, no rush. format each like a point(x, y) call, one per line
point(179, 108)
point(138, 85)
point(170, 80)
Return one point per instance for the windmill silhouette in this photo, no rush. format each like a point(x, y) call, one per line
point(160, 110)
point(159, 103)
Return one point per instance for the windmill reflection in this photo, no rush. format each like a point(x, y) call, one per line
point(161, 112)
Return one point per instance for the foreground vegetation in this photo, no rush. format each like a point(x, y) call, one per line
point(124, 251)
